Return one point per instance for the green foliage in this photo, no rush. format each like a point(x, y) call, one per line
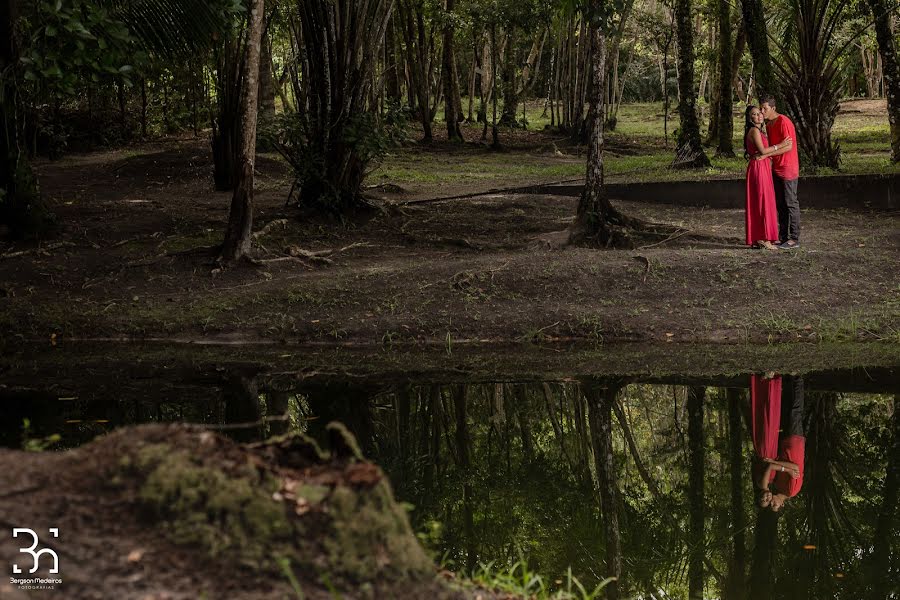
point(519, 579)
point(37, 444)
point(69, 41)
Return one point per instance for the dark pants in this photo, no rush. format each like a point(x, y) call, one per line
point(788, 208)
point(791, 405)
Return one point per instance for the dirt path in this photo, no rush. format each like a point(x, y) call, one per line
point(466, 269)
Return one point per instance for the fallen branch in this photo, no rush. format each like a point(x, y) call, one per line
point(440, 240)
point(668, 239)
point(269, 227)
point(320, 255)
point(38, 250)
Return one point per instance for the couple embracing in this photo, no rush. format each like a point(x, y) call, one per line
point(773, 211)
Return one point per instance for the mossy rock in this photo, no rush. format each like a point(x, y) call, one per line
point(282, 502)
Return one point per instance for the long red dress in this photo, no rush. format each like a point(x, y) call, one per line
point(769, 439)
point(762, 215)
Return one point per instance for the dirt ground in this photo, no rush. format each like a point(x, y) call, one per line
point(113, 542)
point(124, 264)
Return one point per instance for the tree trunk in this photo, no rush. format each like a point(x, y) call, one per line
point(739, 45)
point(143, 108)
point(418, 58)
point(510, 86)
point(266, 109)
point(21, 207)
point(462, 452)
point(226, 122)
point(695, 493)
point(725, 148)
point(452, 101)
point(241, 397)
point(391, 74)
point(240, 218)
point(600, 402)
point(596, 220)
point(690, 150)
point(757, 38)
point(891, 69)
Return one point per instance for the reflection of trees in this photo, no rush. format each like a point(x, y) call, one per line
point(825, 522)
point(884, 571)
point(737, 563)
point(508, 467)
point(696, 500)
point(600, 407)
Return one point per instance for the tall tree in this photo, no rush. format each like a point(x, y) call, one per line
point(725, 128)
point(510, 84)
point(597, 220)
point(881, 10)
point(452, 100)
point(695, 495)
point(689, 153)
point(757, 38)
point(240, 218)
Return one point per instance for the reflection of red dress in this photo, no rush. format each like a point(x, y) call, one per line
point(762, 216)
point(765, 401)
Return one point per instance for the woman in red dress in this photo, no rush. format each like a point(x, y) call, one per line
point(778, 438)
point(762, 215)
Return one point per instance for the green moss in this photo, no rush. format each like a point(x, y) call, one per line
point(203, 506)
point(371, 536)
point(346, 532)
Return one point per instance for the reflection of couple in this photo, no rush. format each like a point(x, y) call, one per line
point(773, 211)
point(778, 438)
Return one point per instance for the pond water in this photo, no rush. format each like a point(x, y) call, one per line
point(515, 470)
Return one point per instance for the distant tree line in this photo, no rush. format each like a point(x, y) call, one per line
point(333, 83)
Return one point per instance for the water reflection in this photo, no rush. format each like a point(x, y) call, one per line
point(676, 488)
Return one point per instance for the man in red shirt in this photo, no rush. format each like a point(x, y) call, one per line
point(786, 172)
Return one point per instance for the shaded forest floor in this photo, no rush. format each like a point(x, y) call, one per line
point(122, 262)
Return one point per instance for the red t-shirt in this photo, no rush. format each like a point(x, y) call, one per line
point(791, 448)
point(787, 165)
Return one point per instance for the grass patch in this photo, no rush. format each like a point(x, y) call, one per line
point(862, 133)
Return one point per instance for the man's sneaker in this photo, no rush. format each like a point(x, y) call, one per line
point(789, 245)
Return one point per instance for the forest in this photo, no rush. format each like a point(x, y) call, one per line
point(450, 299)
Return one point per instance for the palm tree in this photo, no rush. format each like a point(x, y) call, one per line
point(810, 75)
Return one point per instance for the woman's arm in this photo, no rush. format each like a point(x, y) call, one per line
point(763, 482)
point(783, 146)
point(769, 151)
point(784, 465)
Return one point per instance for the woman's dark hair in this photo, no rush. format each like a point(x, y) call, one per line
point(748, 125)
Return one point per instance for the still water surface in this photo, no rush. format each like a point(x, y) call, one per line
point(552, 472)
